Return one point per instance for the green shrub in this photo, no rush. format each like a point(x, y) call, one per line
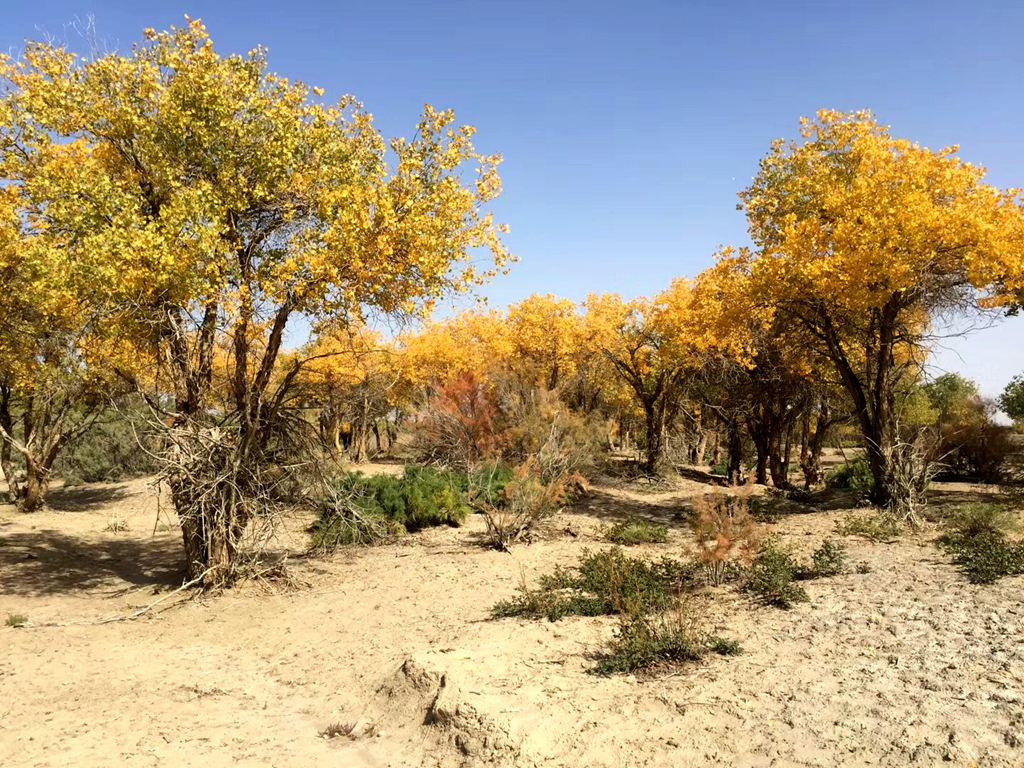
point(362, 508)
point(987, 557)
point(877, 526)
point(772, 575)
point(486, 483)
point(828, 559)
point(854, 475)
point(118, 446)
point(977, 540)
point(603, 583)
point(644, 640)
point(724, 647)
point(16, 620)
point(721, 468)
point(636, 530)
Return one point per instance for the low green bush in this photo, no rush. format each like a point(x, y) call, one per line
point(977, 539)
point(773, 574)
point(828, 560)
point(636, 530)
point(877, 526)
point(645, 640)
point(364, 508)
point(486, 484)
point(120, 445)
point(603, 583)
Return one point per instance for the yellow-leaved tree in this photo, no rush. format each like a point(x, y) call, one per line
point(865, 239)
point(214, 198)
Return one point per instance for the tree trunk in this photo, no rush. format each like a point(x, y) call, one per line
point(780, 456)
point(33, 493)
point(702, 447)
point(653, 417)
point(6, 462)
point(735, 468)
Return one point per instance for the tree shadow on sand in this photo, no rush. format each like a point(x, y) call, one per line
point(615, 508)
point(79, 499)
point(48, 562)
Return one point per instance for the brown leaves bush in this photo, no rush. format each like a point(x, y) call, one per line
point(723, 526)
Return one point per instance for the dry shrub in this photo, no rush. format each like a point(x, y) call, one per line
point(461, 425)
point(912, 466)
point(541, 426)
point(525, 499)
point(723, 525)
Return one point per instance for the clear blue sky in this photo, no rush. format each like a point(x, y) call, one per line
point(627, 128)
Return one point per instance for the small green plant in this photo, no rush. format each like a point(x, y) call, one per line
point(16, 620)
point(636, 530)
point(645, 640)
point(854, 475)
point(772, 575)
point(763, 509)
point(829, 559)
point(724, 647)
point(977, 540)
point(877, 526)
point(863, 568)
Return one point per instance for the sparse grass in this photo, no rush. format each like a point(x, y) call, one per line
point(117, 526)
point(646, 640)
point(636, 530)
point(603, 583)
point(977, 540)
point(16, 620)
point(877, 526)
point(773, 574)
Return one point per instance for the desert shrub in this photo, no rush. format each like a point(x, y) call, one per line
point(829, 559)
point(16, 620)
point(854, 475)
point(977, 539)
point(636, 530)
point(363, 509)
point(119, 445)
point(772, 575)
point(645, 640)
point(603, 583)
point(721, 468)
point(764, 508)
point(722, 524)
point(877, 526)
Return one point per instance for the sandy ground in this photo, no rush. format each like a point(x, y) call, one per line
point(905, 664)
